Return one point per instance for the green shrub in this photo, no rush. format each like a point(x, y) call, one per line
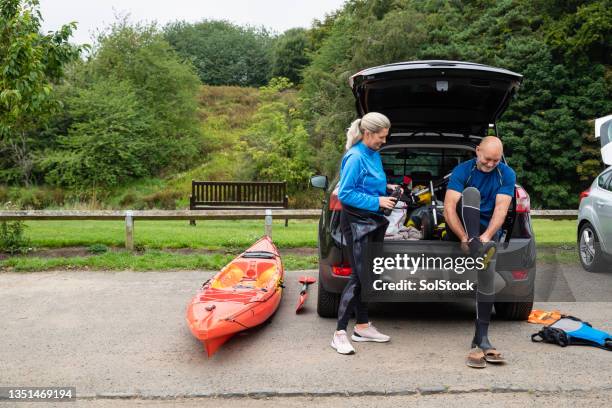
point(127, 200)
point(276, 144)
point(35, 198)
point(4, 194)
point(306, 198)
point(28, 199)
point(97, 249)
point(12, 239)
point(57, 196)
point(165, 199)
point(104, 156)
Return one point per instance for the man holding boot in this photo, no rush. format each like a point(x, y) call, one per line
point(476, 203)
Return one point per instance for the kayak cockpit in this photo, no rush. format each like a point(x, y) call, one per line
point(247, 274)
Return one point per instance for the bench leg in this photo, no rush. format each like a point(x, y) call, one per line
point(192, 222)
point(286, 222)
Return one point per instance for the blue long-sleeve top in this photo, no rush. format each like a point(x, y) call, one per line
point(362, 178)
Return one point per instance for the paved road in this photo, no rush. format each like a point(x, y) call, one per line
point(123, 334)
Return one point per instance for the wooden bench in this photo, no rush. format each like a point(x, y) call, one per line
point(226, 195)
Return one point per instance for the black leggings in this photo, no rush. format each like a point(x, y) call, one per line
point(358, 228)
point(470, 218)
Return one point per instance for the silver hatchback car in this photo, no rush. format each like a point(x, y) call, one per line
point(595, 211)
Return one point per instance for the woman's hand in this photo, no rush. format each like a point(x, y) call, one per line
point(392, 187)
point(387, 202)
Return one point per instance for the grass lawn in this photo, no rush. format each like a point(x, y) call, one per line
point(219, 234)
point(170, 234)
point(555, 239)
point(555, 233)
point(153, 260)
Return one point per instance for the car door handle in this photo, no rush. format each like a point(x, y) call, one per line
point(601, 203)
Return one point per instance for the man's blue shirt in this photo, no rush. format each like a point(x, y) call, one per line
point(362, 178)
point(500, 180)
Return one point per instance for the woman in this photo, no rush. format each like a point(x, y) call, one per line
point(362, 190)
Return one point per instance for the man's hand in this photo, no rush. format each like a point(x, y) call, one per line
point(485, 237)
point(453, 222)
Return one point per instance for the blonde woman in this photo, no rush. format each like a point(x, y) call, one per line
point(362, 190)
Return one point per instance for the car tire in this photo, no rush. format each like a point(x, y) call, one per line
point(514, 310)
point(519, 310)
point(589, 250)
point(327, 302)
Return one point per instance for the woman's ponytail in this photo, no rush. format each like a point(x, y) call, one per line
point(353, 134)
point(373, 122)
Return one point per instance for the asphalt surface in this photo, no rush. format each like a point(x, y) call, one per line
point(121, 339)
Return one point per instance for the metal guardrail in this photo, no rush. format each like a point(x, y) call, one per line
point(131, 216)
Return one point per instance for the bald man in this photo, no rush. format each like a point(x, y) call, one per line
point(476, 203)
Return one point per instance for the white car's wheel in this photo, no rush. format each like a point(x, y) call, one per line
point(589, 248)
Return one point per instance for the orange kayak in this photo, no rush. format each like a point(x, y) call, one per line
point(244, 294)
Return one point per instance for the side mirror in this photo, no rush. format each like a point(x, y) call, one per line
point(319, 182)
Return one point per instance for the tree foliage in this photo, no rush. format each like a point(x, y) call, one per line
point(561, 47)
point(30, 63)
point(108, 142)
point(224, 53)
point(130, 112)
point(276, 144)
point(130, 109)
point(291, 54)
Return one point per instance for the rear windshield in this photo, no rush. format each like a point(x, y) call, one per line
point(421, 164)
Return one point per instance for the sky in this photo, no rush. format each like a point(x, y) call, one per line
point(92, 15)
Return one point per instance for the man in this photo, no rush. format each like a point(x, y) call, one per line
point(477, 199)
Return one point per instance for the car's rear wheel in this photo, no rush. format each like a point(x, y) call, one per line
point(327, 302)
point(589, 248)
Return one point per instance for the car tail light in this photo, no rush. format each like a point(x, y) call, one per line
point(334, 202)
point(341, 270)
point(523, 204)
point(520, 274)
point(584, 194)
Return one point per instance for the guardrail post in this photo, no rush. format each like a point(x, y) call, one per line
point(268, 223)
point(129, 231)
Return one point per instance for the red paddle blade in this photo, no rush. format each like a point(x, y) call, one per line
point(301, 301)
point(307, 279)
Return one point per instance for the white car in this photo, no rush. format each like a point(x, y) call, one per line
point(595, 211)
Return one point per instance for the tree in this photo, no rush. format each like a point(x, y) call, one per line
point(276, 144)
point(562, 47)
point(164, 83)
point(130, 112)
point(291, 55)
point(224, 53)
point(108, 142)
point(30, 64)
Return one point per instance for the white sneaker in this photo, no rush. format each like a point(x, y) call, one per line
point(369, 334)
point(341, 343)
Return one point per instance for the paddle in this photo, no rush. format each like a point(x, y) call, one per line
point(305, 281)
